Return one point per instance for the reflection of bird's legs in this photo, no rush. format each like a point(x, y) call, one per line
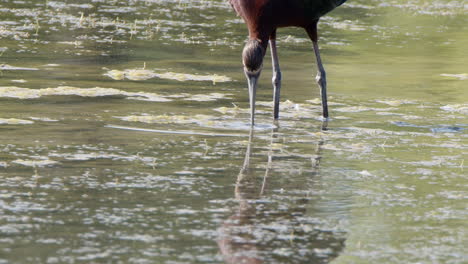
point(318, 149)
point(237, 244)
point(245, 167)
point(274, 135)
point(245, 184)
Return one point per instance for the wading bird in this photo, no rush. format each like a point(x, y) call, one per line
point(263, 17)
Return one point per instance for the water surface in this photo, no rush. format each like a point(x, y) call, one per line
point(125, 138)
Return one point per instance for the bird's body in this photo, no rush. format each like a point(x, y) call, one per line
point(263, 17)
point(271, 14)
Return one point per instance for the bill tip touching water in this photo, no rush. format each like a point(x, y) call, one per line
point(262, 19)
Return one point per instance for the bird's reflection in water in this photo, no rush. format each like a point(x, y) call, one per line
point(250, 235)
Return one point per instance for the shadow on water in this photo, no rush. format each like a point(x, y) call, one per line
point(247, 237)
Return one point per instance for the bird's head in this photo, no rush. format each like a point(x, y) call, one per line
point(252, 57)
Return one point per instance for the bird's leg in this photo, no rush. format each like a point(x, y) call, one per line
point(321, 75)
point(276, 80)
point(321, 80)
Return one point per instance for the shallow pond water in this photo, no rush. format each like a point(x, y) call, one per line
point(125, 137)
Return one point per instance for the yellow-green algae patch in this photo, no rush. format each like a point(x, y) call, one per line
point(14, 121)
point(26, 93)
point(115, 74)
point(192, 77)
point(167, 119)
point(207, 97)
point(394, 102)
point(144, 74)
point(232, 110)
point(35, 163)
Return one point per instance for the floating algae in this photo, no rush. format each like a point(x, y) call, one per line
point(394, 102)
point(26, 93)
point(144, 74)
point(116, 75)
point(139, 74)
point(232, 110)
point(207, 97)
point(167, 119)
point(131, 74)
point(35, 163)
point(14, 121)
point(192, 77)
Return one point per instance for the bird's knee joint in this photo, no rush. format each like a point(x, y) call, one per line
point(318, 78)
point(321, 77)
point(276, 77)
point(322, 82)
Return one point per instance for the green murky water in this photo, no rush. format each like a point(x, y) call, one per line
point(125, 139)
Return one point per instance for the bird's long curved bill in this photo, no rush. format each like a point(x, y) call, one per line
point(252, 80)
